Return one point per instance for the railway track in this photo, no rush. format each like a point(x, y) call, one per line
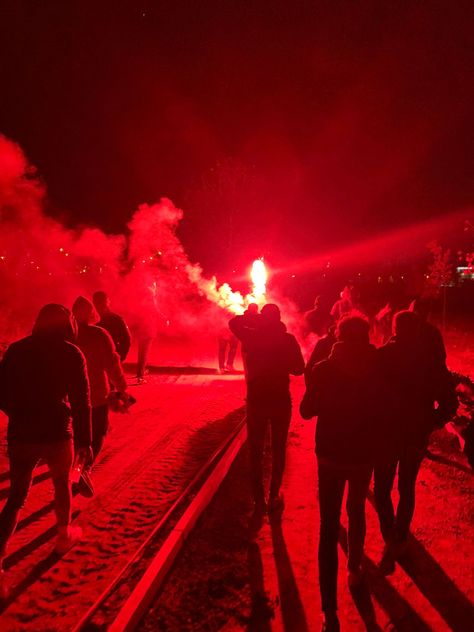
point(128, 595)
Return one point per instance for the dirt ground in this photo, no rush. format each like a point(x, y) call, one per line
point(227, 578)
point(148, 458)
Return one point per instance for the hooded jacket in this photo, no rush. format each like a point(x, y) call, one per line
point(43, 387)
point(344, 392)
point(415, 380)
point(103, 362)
point(271, 355)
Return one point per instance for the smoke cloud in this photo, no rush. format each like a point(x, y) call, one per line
point(146, 272)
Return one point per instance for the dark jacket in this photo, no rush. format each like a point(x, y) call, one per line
point(344, 393)
point(117, 328)
point(103, 362)
point(271, 356)
point(43, 384)
point(322, 350)
point(415, 380)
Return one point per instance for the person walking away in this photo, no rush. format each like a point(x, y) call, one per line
point(318, 320)
point(430, 338)
point(113, 323)
point(227, 345)
point(103, 366)
point(272, 355)
point(343, 306)
point(343, 392)
point(421, 397)
point(322, 350)
point(44, 391)
point(250, 320)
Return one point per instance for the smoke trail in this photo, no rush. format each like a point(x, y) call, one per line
point(147, 274)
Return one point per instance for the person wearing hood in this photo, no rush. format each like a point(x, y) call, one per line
point(343, 392)
point(271, 355)
point(421, 397)
point(103, 367)
point(44, 391)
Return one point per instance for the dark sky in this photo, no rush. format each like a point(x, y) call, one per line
point(281, 127)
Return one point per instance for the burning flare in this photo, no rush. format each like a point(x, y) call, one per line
point(224, 296)
point(259, 277)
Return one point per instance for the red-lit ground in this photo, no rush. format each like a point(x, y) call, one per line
point(227, 580)
point(223, 580)
point(148, 458)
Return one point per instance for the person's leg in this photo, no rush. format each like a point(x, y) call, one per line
point(222, 344)
point(59, 457)
point(280, 423)
point(256, 427)
point(384, 475)
point(100, 425)
point(331, 485)
point(358, 486)
point(233, 343)
point(407, 474)
point(23, 459)
point(144, 345)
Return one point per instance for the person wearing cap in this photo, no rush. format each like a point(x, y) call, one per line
point(271, 355)
point(44, 391)
point(104, 368)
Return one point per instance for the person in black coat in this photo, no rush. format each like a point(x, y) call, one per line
point(44, 390)
point(420, 397)
point(343, 391)
point(271, 355)
point(113, 323)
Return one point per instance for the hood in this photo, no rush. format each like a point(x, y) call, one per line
point(352, 358)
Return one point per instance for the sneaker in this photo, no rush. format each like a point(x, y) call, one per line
point(355, 578)
point(67, 539)
point(330, 623)
point(4, 587)
point(276, 504)
point(84, 486)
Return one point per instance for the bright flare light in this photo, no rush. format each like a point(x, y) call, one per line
point(259, 276)
point(224, 296)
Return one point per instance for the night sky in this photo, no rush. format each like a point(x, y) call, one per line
point(280, 127)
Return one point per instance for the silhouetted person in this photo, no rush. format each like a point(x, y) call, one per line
point(322, 350)
point(113, 323)
point(271, 356)
point(227, 345)
point(103, 366)
point(251, 318)
point(343, 306)
point(43, 388)
point(343, 392)
point(318, 319)
point(431, 338)
point(417, 382)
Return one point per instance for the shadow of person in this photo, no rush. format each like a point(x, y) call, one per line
point(34, 575)
point(402, 616)
point(294, 617)
point(440, 590)
point(262, 611)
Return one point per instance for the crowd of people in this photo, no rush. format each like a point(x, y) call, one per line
point(56, 386)
point(375, 409)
